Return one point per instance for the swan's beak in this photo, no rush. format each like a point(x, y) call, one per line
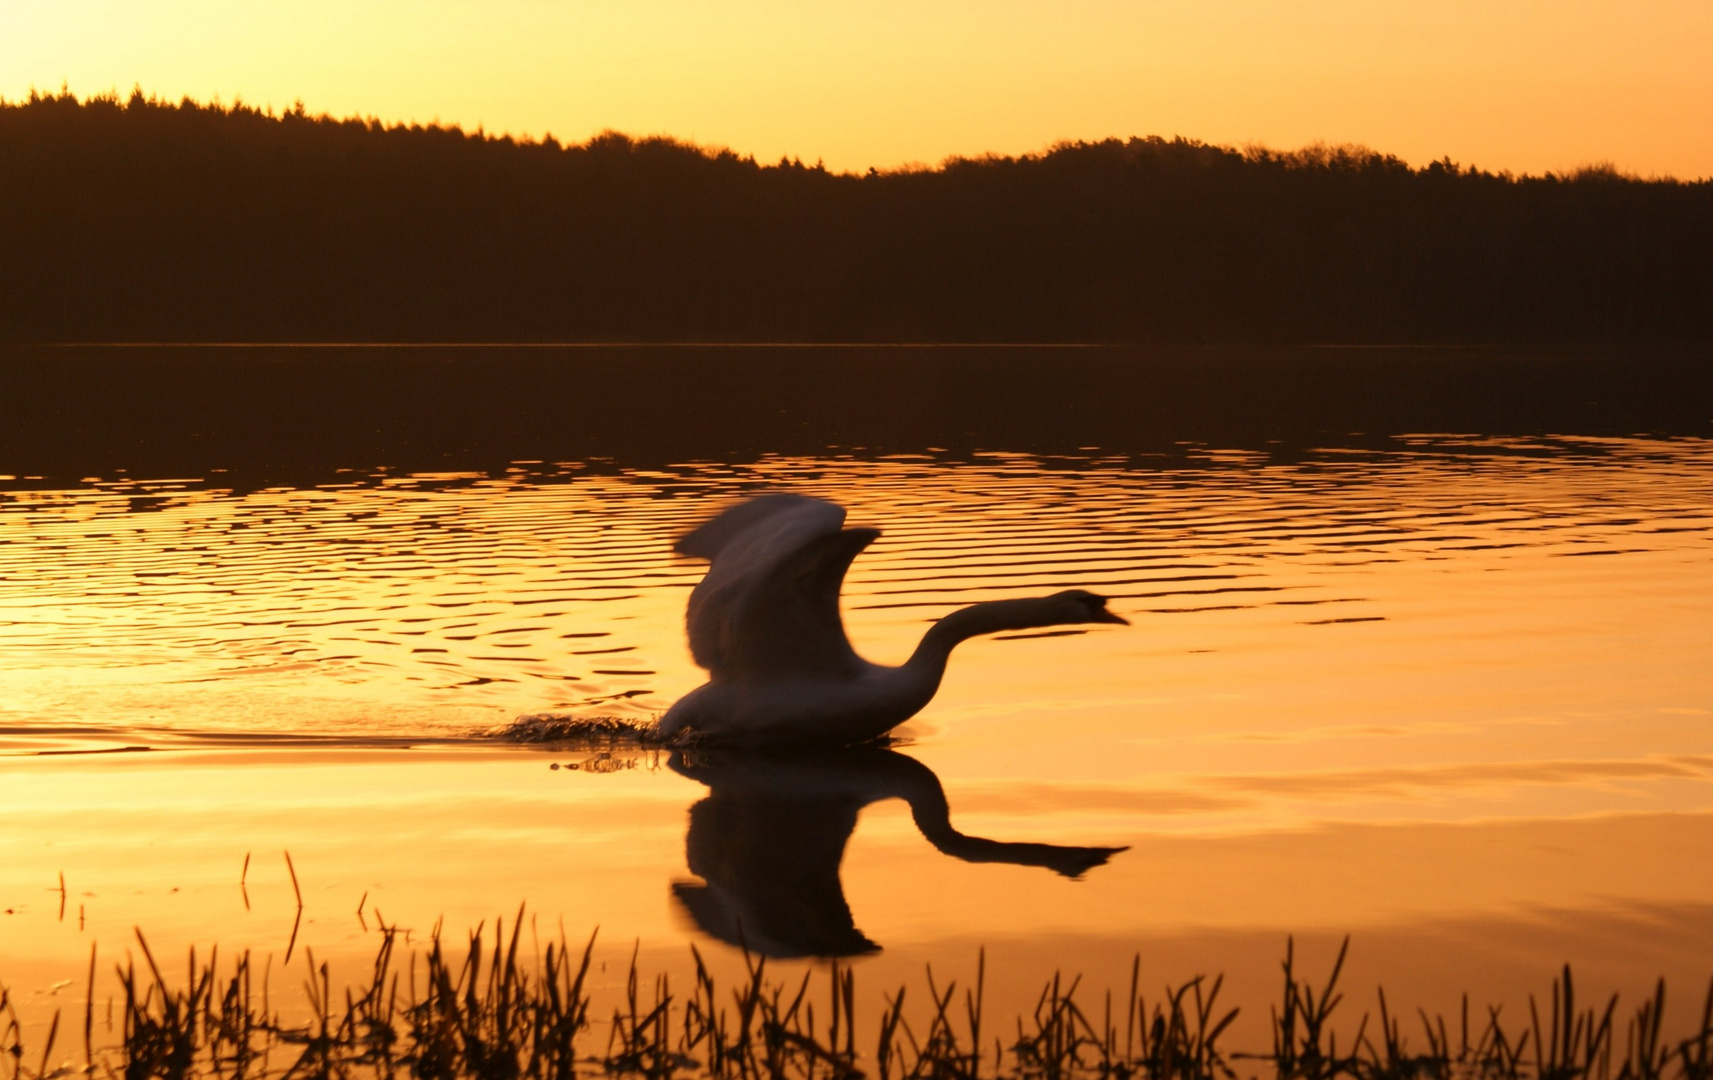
point(1109, 617)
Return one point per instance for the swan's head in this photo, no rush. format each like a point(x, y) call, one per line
point(1082, 606)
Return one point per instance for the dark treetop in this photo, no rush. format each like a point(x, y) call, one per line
point(143, 221)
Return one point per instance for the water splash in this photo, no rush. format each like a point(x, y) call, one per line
point(550, 727)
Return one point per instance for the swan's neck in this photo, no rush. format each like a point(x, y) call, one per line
point(992, 617)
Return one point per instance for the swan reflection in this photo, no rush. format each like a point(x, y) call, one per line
point(768, 839)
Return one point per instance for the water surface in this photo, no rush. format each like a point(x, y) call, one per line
point(1445, 692)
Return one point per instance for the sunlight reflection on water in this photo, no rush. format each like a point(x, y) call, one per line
point(1502, 636)
point(437, 604)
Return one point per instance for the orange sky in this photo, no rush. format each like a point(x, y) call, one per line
point(1527, 85)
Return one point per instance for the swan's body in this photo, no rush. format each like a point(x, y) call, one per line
point(765, 623)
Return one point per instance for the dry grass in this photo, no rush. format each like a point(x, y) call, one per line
point(481, 1013)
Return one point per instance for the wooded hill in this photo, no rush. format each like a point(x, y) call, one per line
point(137, 220)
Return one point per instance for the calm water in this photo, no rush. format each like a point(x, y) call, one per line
point(1446, 693)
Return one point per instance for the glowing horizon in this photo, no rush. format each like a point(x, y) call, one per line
point(1526, 87)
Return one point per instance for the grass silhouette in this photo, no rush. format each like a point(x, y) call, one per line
point(485, 1013)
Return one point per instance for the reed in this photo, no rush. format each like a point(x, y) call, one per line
point(482, 1012)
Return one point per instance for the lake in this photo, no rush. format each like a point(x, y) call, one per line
point(1417, 655)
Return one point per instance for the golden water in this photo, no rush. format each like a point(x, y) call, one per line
point(1451, 697)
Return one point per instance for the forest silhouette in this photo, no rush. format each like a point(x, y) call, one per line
point(140, 220)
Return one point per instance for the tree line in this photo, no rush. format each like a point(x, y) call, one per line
point(141, 220)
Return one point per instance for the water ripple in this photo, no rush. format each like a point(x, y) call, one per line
point(444, 598)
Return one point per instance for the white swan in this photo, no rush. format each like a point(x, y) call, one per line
point(765, 623)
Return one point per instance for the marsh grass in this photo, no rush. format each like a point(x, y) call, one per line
point(480, 1011)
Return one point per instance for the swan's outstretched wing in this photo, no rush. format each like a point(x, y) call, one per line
point(769, 604)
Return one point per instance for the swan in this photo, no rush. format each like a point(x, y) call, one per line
point(765, 623)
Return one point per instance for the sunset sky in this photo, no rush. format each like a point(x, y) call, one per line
point(1525, 85)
